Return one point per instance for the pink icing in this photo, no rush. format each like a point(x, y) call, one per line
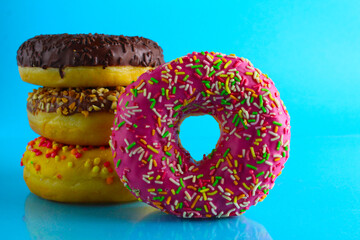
point(251, 151)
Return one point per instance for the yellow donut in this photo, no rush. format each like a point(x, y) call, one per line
point(68, 173)
point(82, 116)
point(84, 76)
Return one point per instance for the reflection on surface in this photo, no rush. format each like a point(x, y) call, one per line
point(50, 220)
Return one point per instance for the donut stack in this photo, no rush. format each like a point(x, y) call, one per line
point(82, 77)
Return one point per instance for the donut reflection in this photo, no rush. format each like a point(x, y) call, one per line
point(51, 220)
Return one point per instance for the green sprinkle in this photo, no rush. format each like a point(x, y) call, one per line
point(278, 145)
point(259, 174)
point(172, 169)
point(178, 190)
point(203, 53)
point(262, 161)
point(284, 154)
point(197, 66)
point(153, 103)
point(135, 126)
point(154, 80)
point(277, 123)
point(203, 93)
point(247, 138)
point(254, 113)
point(243, 101)
point(175, 114)
point(127, 103)
point(198, 209)
point(251, 120)
point(286, 148)
point(235, 117)
point(149, 158)
point(261, 100)
point(171, 125)
point(197, 60)
point(169, 154)
point(264, 109)
point(128, 187)
point(177, 107)
point(199, 176)
point(258, 132)
point(226, 152)
point(237, 122)
point(120, 124)
point(180, 160)
point(180, 205)
point(266, 191)
point(181, 182)
point(198, 72)
point(163, 91)
point(159, 190)
point(165, 134)
point(224, 102)
point(174, 90)
point(236, 79)
point(243, 123)
point(215, 182)
point(118, 163)
point(251, 166)
point(163, 158)
point(212, 73)
point(218, 177)
point(251, 99)
point(185, 78)
point(131, 145)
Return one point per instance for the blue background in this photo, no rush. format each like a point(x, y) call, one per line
point(311, 49)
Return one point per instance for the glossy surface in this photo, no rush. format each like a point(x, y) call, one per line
point(317, 196)
point(309, 48)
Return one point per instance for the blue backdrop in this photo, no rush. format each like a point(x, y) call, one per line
point(311, 49)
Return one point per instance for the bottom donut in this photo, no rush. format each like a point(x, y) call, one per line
point(69, 173)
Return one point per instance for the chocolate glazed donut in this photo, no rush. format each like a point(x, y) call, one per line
point(86, 60)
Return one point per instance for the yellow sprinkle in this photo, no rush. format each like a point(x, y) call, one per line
point(258, 139)
point(204, 190)
point(180, 60)
point(167, 94)
point(70, 164)
point(236, 163)
point(95, 169)
point(244, 184)
point(169, 198)
point(87, 163)
point(57, 158)
point(216, 62)
point(152, 149)
point(204, 195)
point(235, 199)
point(252, 152)
point(173, 191)
point(212, 193)
point(240, 113)
point(206, 209)
point(227, 64)
point(180, 73)
point(65, 148)
point(249, 73)
point(151, 190)
point(153, 132)
point(223, 75)
point(276, 159)
point(227, 86)
point(97, 161)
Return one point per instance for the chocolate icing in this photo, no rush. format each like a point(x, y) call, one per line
point(73, 100)
point(64, 50)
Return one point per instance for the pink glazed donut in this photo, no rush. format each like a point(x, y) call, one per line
point(251, 151)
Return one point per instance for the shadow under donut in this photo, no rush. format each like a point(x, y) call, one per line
point(51, 220)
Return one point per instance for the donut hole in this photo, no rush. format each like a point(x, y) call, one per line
point(199, 135)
